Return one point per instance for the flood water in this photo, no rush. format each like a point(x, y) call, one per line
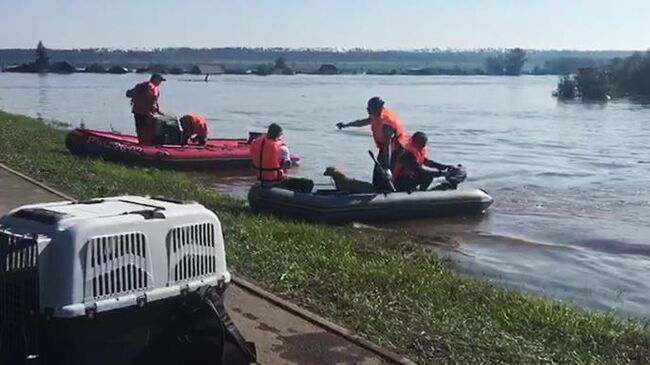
point(570, 180)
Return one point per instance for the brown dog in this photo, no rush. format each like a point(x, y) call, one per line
point(343, 183)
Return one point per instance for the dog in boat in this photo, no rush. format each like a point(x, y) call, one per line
point(344, 183)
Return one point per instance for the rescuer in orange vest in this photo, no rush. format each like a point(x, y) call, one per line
point(413, 171)
point(271, 158)
point(387, 133)
point(195, 128)
point(144, 100)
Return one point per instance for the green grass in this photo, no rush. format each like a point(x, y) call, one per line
point(383, 286)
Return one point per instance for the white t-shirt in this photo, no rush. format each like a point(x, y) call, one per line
point(285, 157)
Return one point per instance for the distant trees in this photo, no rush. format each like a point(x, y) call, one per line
point(264, 69)
point(278, 67)
point(195, 70)
point(622, 77)
point(494, 65)
point(327, 69)
point(566, 88)
point(515, 60)
point(592, 83)
point(566, 65)
point(95, 68)
point(286, 60)
point(588, 84)
point(41, 63)
point(631, 75)
point(456, 70)
point(280, 63)
point(510, 63)
point(240, 59)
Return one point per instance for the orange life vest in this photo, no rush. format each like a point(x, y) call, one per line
point(144, 98)
point(420, 154)
point(265, 153)
point(198, 125)
point(387, 117)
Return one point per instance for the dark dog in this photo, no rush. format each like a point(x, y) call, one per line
point(343, 183)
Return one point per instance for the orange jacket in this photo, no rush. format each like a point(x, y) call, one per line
point(387, 118)
point(197, 125)
point(265, 153)
point(402, 170)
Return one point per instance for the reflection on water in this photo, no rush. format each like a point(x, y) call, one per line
point(570, 180)
point(42, 94)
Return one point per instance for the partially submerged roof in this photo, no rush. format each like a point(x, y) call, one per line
point(210, 69)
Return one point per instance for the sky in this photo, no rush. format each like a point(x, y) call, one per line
point(374, 24)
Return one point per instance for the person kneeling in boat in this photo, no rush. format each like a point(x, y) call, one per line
point(271, 158)
point(413, 171)
point(144, 100)
point(195, 129)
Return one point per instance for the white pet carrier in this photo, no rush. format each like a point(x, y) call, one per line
point(71, 268)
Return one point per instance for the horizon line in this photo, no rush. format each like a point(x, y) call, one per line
point(332, 49)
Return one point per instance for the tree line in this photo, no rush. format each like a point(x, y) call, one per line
point(629, 76)
point(238, 59)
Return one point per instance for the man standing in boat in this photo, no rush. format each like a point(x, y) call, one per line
point(144, 100)
point(388, 134)
point(271, 159)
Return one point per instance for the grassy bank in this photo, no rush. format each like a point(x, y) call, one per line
point(395, 293)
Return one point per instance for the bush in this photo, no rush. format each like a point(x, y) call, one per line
point(327, 69)
point(632, 75)
point(566, 88)
point(96, 68)
point(589, 84)
point(511, 63)
point(264, 69)
point(592, 84)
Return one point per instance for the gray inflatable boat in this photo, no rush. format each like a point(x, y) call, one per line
point(335, 207)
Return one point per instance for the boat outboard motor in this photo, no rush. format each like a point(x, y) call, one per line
point(168, 130)
point(253, 136)
point(453, 177)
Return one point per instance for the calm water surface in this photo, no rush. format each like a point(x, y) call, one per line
point(571, 181)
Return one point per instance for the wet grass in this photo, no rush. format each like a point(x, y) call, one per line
point(385, 287)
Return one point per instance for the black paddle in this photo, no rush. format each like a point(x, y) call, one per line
point(383, 172)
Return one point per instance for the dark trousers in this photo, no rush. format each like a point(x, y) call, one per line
point(411, 183)
point(144, 128)
point(378, 178)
